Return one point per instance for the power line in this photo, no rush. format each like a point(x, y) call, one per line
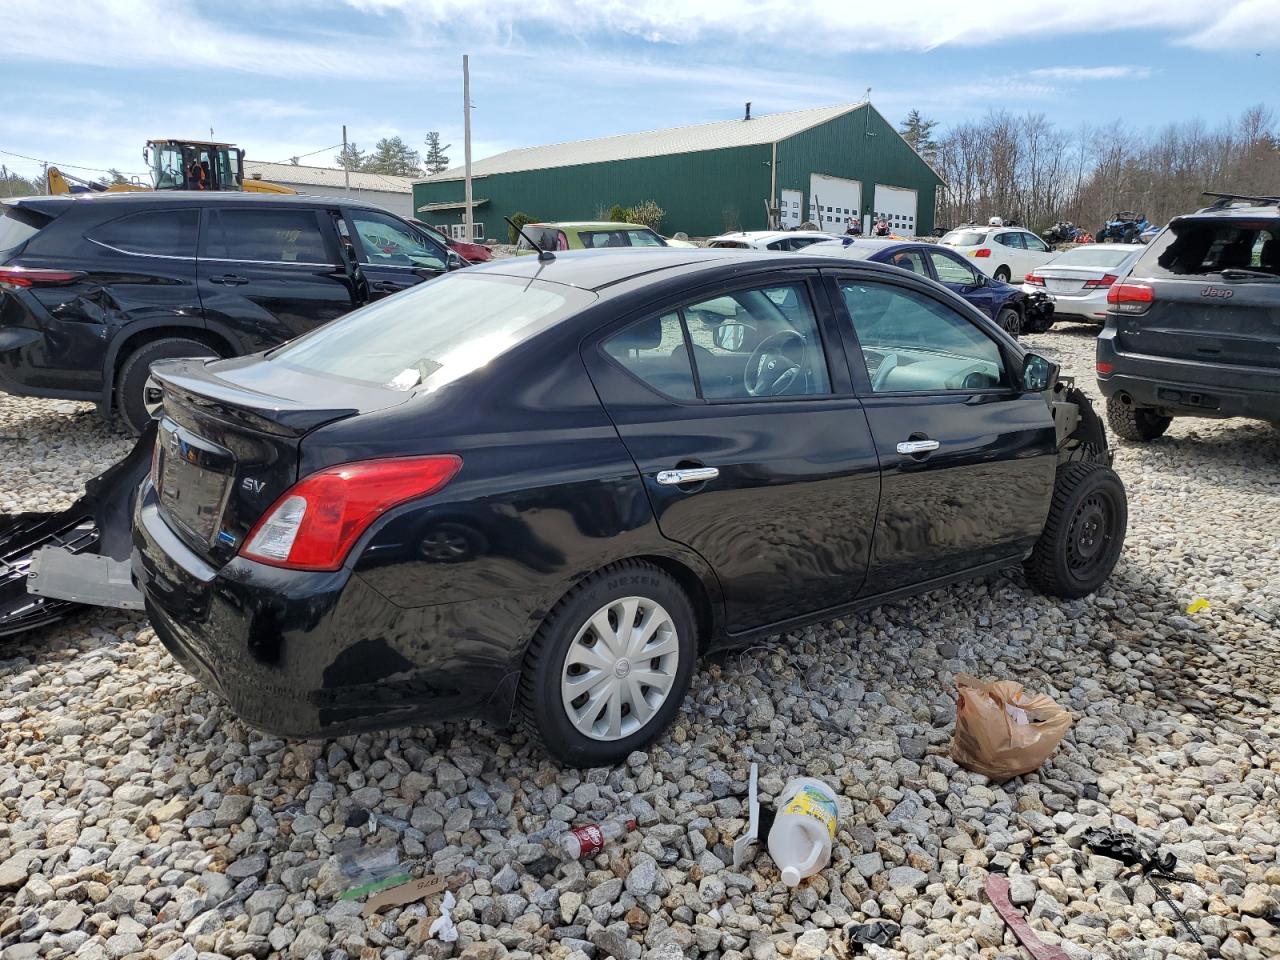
point(299, 156)
point(71, 166)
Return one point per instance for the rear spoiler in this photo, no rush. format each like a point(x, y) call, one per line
point(1224, 200)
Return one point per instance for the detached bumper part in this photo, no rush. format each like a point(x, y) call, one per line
point(68, 550)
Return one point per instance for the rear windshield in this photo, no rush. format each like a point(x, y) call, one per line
point(435, 333)
point(1088, 256)
point(964, 238)
point(619, 238)
point(547, 238)
point(17, 226)
point(1197, 248)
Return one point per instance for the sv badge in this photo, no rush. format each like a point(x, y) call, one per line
point(252, 485)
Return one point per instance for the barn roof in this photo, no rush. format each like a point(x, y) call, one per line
point(652, 143)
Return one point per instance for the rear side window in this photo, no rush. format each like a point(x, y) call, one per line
point(654, 350)
point(1197, 248)
point(265, 236)
point(619, 238)
point(156, 233)
point(18, 225)
point(1011, 240)
point(547, 238)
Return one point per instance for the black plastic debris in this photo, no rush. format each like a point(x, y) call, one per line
point(1122, 846)
point(878, 933)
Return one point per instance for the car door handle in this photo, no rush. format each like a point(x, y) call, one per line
point(675, 478)
point(229, 280)
point(910, 448)
point(386, 286)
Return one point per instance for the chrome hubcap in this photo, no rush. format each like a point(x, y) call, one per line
point(620, 668)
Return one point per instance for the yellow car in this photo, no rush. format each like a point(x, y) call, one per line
point(587, 235)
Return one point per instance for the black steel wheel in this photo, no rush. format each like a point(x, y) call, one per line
point(1084, 532)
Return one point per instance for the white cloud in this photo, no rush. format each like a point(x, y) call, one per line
point(1248, 27)
point(1092, 73)
point(832, 25)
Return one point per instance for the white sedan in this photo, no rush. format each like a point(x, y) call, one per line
point(770, 239)
point(1078, 280)
point(999, 252)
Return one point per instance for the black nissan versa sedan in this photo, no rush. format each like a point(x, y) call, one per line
point(539, 488)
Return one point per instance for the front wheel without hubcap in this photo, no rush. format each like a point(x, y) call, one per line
point(608, 669)
point(1084, 532)
point(1010, 321)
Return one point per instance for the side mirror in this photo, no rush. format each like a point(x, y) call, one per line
point(1038, 374)
point(730, 335)
point(454, 261)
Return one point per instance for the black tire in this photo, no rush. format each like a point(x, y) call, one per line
point(541, 708)
point(1002, 274)
point(132, 380)
point(1009, 320)
point(1132, 422)
point(1083, 534)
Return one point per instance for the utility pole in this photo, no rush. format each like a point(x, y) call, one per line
point(466, 148)
point(346, 160)
point(774, 207)
point(4, 171)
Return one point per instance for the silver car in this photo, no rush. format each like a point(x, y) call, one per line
point(1078, 280)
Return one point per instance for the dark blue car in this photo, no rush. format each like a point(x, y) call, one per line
point(1010, 307)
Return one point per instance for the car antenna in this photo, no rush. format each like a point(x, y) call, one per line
point(544, 256)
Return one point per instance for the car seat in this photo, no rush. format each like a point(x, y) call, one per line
point(1269, 257)
point(1238, 253)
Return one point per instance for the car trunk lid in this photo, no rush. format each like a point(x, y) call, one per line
point(1207, 302)
point(229, 439)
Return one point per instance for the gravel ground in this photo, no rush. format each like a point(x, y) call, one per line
point(139, 818)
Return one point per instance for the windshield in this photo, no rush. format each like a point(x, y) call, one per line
point(1088, 256)
point(17, 226)
point(1194, 248)
point(435, 333)
point(964, 238)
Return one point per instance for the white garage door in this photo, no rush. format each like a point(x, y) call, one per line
point(789, 208)
point(840, 201)
point(898, 206)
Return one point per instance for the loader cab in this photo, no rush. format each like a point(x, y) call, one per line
point(195, 165)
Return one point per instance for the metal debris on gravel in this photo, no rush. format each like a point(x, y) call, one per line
point(139, 818)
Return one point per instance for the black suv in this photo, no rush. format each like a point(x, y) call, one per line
point(1194, 330)
point(95, 288)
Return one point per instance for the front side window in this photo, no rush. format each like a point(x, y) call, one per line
point(264, 236)
point(434, 333)
point(911, 342)
point(1032, 242)
point(386, 242)
point(654, 350)
point(762, 342)
point(951, 270)
point(168, 233)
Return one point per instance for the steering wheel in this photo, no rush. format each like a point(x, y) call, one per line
point(771, 369)
point(887, 366)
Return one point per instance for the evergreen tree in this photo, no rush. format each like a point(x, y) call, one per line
point(351, 158)
point(436, 159)
point(392, 156)
point(917, 130)
point(117, 176)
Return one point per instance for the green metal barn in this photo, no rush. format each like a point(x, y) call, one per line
point(827, 165)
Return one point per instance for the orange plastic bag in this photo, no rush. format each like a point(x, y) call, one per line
point(1003, 732)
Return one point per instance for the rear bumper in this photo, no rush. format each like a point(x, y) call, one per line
point(1089, 307)
point(305, 654)
point(42, 356)
point(1188, 387)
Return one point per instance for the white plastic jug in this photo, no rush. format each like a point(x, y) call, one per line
point(801, 836)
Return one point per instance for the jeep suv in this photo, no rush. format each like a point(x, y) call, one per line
point(96, 287)
point(1194, 330)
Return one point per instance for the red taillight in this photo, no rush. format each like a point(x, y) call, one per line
point(37, 276)
point(1130, 297)
point(1103, 368)
point(315, 522)
point(1106, 280)
point(1034, 279)
point(982, 252)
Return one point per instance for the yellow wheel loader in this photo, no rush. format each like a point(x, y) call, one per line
point(178, 165)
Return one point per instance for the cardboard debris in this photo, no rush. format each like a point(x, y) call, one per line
point(404, 893)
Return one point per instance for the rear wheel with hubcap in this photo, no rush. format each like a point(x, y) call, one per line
point(608, 669)
point(1002, 274)
point(1084, 532)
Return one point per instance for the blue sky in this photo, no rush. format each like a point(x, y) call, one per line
point(87, 82)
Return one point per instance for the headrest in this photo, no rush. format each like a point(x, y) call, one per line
point(645, 335)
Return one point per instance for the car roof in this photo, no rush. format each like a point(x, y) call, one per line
point(772, 234)
point(597, 270)
point(1269, 211)
point(202, 198)
point(590, 224)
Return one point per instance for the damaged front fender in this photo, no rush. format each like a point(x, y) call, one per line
point(100, 524)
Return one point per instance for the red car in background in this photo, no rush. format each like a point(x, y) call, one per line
point(471, 252)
